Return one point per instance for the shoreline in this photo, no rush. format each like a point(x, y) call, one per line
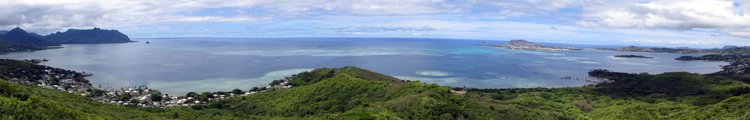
point(75, 83)
point(139, 95)
point(142, 89)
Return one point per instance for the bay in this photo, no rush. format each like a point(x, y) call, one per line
point(177, 66)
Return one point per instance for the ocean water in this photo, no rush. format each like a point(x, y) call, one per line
point(177, 66)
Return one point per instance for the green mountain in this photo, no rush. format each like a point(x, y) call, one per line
point(96, 35)
point(20, 36)
point(71, 36)
point(354, 93)
point(17, 40)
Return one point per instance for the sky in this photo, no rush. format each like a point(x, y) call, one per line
point(670, 23)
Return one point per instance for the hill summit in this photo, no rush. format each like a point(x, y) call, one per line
point(20, 36)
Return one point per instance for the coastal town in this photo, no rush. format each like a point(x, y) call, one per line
point(739, 64)
point(30, 73)
point(27, 72)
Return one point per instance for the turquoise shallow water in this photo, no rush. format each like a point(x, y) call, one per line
point(211, 64)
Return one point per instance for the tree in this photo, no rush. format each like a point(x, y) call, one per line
point(204, 96)
point(274, 82)
point(255, 89)
point(167, 98)
point(125, 97)
point(67, 86)
point(95, 93)
point(191, 94)
point(156, 97)
point(237, 91)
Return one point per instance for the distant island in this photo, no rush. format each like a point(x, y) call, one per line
point(527, 45)
point(727, 50)
point(18, 40)
point(632, 56)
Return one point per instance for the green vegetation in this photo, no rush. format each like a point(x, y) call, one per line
point(31, 102)
point(22, 69)
point(337, 93)
point(734, 50)
point(354, 93)
point(676, 95)
point(7, 47)
point(306, 78)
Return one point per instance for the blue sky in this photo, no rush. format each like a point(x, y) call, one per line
point(674, 23)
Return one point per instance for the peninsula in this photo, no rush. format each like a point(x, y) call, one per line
point(18, 40)
point(527, 45)
point(96, 35)
point(738, 68)
point(715, 57)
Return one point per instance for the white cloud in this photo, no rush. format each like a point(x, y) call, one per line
point(51, 15)
point(213, 19)
point(566, 33)
point(522, 8)
point(607, 21)
point(739, 32)
point(725, 15)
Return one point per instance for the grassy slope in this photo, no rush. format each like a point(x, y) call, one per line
point(663, 96)
point(351, 92)
point(30, 102)
point(346, 94)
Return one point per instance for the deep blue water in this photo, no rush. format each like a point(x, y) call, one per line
point(211, 64)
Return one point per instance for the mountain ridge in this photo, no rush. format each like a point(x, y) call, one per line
point(20, 36)
point(95, 35)
point(17, 39)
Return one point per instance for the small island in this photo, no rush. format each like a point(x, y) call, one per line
point(632, 56)
point(527, 45)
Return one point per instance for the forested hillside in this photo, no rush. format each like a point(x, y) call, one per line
point(354, 93)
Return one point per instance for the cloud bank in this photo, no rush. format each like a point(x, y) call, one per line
point(732, 17)
point(678, 22)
